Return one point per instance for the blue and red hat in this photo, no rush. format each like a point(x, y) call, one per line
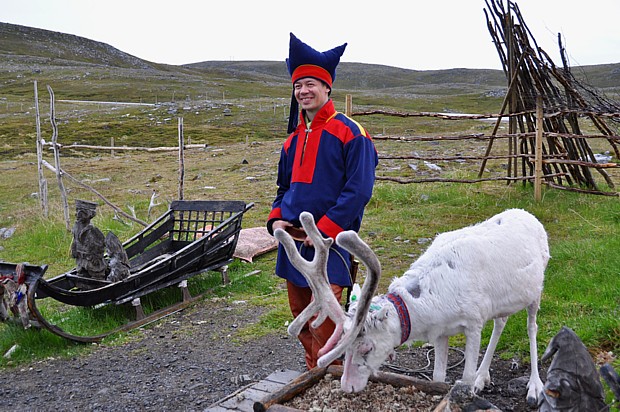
point(304, 61)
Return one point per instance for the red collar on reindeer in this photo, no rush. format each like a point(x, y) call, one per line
point(403, 315)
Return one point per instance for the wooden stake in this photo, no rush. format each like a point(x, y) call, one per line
point(509, 94)
point(538, 159)
point(42, 180)
point(512, 105)
point(61, 186)
point(181, 159)
point(348, 105)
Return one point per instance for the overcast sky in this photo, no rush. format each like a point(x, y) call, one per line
point(412, 34)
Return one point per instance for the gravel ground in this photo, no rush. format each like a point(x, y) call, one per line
point(189, 361)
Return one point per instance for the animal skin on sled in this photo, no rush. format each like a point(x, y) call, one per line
point(253, 242)
point(13, 296)
point(573, 384)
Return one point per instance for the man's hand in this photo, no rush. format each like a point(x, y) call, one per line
point(296, 233)
point(281, 224)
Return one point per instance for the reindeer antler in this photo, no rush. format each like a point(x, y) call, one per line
point(350, 241)
point(324, 302)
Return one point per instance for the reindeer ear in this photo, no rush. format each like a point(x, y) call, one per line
point(382, 314)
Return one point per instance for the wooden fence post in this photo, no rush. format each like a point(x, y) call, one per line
point(348, 105)
point(512, 105)
point(181, 159)
point(500, 117)
point(538, 158)
point(42, 180)
point(61, 186)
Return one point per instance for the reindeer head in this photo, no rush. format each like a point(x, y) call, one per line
point(373, 345)
point(359, 335)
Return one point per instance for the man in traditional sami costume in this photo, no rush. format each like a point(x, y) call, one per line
point(327, 167)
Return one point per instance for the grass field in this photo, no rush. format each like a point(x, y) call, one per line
point(581, 290)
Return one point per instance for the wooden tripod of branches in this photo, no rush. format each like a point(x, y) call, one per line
point(531, 75)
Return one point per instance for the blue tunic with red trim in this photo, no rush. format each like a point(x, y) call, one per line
point(329, 171)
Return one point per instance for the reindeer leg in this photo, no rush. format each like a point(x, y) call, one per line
point(483, 376)
point(472, 351)
point(535, 385)
point(441, 359)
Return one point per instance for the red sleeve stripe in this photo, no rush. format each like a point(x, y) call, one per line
point(275, 213)
point(329, 227)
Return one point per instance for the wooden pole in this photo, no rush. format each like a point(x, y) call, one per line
point(512, 106)
point(42, 180)
point(127, 148)
point(538, 159)
point(112, 146)
point(181, 159)
point(348, 105)
point(509, 94)
point(61, 186)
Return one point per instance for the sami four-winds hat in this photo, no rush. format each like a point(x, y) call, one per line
point(304, 61)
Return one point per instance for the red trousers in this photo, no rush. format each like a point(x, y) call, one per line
point(312, 339)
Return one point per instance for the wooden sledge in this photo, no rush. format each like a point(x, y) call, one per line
point(190, 238)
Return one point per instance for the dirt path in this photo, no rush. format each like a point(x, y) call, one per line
point(183, 363)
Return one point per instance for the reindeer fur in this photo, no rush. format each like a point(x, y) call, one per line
point(464, 279)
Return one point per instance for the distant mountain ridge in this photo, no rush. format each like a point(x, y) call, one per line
point(23, 43)
point(362, 75)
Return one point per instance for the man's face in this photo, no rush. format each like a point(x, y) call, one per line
point(311, 94)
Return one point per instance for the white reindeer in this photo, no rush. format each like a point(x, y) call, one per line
point(464, 279)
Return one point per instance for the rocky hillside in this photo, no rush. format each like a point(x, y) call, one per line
point(21, 41)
